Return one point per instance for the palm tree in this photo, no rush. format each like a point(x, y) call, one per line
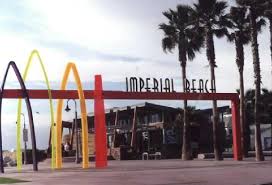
point(255, 8)
point(179, 32)
point(240, 36)
point(210, 16)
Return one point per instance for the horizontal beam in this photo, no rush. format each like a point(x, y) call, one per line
point(43, 94)
point(114, 95)
point(169, 96)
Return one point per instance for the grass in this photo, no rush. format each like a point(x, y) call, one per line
point(4, 180)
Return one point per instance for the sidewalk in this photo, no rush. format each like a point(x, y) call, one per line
point(160, 172)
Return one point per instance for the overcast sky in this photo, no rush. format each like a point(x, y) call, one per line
point(113, 38)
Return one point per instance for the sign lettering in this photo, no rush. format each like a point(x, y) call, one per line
point(200, 86)
point(134, 84)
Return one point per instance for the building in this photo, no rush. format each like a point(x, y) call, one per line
point(151, 128)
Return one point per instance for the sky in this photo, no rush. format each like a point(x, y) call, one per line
point(116, 39)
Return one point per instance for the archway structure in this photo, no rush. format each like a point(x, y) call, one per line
point(30, 117)
point(84, 124)
point(233, 97)
point(99, 95)
point(19, 109)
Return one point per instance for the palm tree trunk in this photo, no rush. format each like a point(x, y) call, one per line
point(186, 132)
point(257, 74)
point(247, 121)
point(240, 65)
point(211, 58)
point(185, 139)
point(216, 144)
point(242, 115)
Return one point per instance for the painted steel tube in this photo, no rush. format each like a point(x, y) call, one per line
point(30, 117)
point(53, 141)
point(100, 125)
point(84, 124)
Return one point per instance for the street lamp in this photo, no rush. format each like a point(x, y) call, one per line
point(67, 109)
point(25, 138)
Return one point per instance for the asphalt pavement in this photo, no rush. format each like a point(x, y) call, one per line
point(152, 172)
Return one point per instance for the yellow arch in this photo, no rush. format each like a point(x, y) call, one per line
point(19, 110)
point(84, 125)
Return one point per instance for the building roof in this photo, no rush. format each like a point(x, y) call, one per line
point(220, 109)
point(140, 105)
point(141, 108)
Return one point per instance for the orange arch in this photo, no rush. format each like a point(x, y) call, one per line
point(84, 124)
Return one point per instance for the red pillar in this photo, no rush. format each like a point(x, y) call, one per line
point(236, 130)
point(100, 125)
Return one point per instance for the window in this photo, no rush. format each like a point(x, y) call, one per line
point(145, 120)
point(155, 118)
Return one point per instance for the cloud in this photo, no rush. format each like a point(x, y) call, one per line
point(83, 53)
point(114, 39)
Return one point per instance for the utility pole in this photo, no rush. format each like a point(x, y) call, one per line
point(67, 109)
point(25, 138)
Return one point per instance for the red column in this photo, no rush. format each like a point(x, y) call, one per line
point(236, 130)
point(100, 125)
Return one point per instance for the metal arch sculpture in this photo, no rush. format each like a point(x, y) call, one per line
point(84, 124)
point(19, 109)
point(99, 95)
point(30, 117)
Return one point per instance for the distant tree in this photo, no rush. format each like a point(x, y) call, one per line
point(265, 107)
point(181, 33)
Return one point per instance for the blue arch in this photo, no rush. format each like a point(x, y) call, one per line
point(29, 111)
